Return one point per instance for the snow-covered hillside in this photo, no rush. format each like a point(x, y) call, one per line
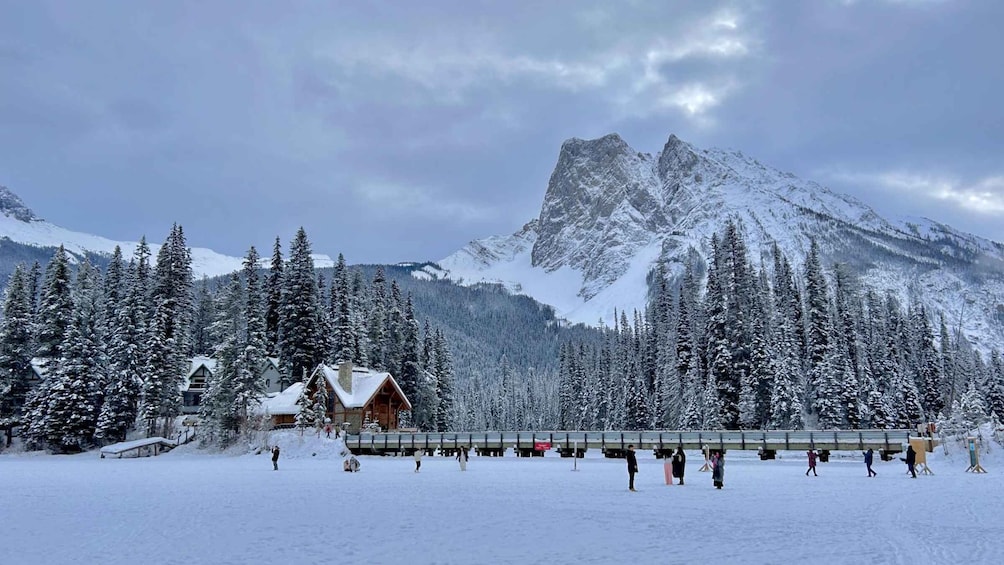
point(610, 213)
point(20, 225)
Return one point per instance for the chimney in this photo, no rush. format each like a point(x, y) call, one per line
point(345, 376)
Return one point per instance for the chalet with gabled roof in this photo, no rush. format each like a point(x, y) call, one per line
point(356, 396)
point(199, 372)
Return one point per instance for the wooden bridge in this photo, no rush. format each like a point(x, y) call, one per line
point(614, 443)
point(147, 446)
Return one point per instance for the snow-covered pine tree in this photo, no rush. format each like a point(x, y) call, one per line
point(219, 401)
point(33, 281)
point(273, 300)
point(249, 388)
point(205, 315)
point(306, 417)
point(929, 375)
point(995, 385)
point(55, 307)
point(377, 319)
point(16, 349)
point(819, 329)
point(301, 346)
point(75, 394)
point(170, 335)
point(359, 308)
point(320, 402)
point(410, 370)
point(393, 335)
point(444, 385)
point(127, 351)
point(343, 338)
point(721, 373)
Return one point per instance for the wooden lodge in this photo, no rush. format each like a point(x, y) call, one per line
point(356, 396)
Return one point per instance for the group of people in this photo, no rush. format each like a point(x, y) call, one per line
point(678, 467)
point(350, 465)
point(910, 459)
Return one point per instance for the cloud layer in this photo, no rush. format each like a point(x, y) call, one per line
point(399, 131)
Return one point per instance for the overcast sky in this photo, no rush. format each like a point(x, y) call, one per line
point(401, 130)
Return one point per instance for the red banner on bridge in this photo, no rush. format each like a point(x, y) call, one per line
point(541, 446)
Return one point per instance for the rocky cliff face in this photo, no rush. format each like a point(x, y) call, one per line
point(610, 212)
point(12, 207)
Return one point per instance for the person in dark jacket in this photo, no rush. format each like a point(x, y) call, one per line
point(812, 463)
point(911, 460)
point(275, 458)
point(632, 463)
point(869, 457)
point(718, 470)
point(679, 463)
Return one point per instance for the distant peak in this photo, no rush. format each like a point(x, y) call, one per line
point(609, 141)
point(12, 206)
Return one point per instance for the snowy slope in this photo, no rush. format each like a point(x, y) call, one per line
point(20, 225)
point(610, 213)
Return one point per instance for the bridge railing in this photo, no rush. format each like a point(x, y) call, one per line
point(654, 439)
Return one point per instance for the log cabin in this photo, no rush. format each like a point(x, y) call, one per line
point(356, 396)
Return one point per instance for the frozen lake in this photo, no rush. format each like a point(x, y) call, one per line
point(187, 507)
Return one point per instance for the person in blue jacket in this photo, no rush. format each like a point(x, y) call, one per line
point(869, 457)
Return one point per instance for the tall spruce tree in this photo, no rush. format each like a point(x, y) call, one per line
point(301, 346)
point(16, 350)
point(343, 335)
point(273, 300)
point(128, 348)
point(74, 398)
point(170, 333)
point(55, 308)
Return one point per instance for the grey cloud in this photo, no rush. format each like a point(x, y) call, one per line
point(266, 116)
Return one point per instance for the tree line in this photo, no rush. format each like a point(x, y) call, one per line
point(113, 348)
point(766, 348)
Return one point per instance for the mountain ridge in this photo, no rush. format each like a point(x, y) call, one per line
point(610, 213)
point(19, 225)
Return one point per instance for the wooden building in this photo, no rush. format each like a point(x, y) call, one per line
point(356, 396)
point(200, 371)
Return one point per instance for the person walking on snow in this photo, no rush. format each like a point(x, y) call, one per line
point(911, 460)
point(418, 459)
point(632, 463)
point(869, 457)
point(812, 463)
point(679, 463)
point(462, 457)
point(275, 458)
point(718, 470)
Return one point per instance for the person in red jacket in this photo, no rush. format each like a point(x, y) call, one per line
point(812, 463)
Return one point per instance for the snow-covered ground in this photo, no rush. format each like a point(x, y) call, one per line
point(189, 507)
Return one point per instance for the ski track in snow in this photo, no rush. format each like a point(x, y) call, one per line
point(188, 507)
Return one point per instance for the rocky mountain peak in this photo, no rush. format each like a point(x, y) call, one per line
point(12, 206)
point(677, 159)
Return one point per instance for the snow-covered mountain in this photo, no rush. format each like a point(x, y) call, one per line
point(610, 213)
point(20, 225)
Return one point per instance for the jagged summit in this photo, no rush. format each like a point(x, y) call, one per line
point(610, 213)
point(12, 206)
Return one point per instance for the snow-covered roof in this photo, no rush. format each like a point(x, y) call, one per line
point(38, 365)
point(278, 403)
point(199, 361)
point(365, 384)
point(274, 361)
